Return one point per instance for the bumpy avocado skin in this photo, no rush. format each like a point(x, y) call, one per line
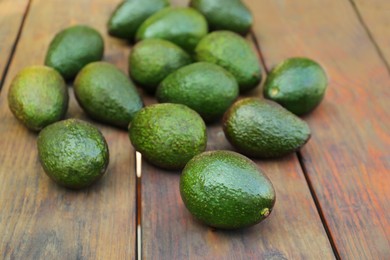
point(130, 14)
point(38, 97)
point(205, 87)
point(226, 190)
point(73, 48)
point(262, 128)
point(152, 60)
point(73, 153)
point(298, 84)
point(183, 26)
point(231, 15)
point(168, 135)
point(106, 94)
point(230, 51)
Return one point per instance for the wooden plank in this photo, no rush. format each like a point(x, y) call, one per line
point(294, 230)
point(38, 219)
point(348, 157)
point(11, 17)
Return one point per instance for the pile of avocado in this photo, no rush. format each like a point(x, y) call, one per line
point(196, 63)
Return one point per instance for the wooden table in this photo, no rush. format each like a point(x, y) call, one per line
point(333, 197)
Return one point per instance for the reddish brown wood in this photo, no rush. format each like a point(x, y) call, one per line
point(348, 157)
point(38, 219)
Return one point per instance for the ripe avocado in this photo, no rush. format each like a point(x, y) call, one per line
point(168, 135)
point(107, 94)
point(73, 48)
point(205, 87)
point(226, 190)
point(38, 97)
point(73, 153)
point(262, 128)
point(183, 26)
point(151, 60)
point(230, 51)
point(231, 15)
point(130, 14)
point(298, 84)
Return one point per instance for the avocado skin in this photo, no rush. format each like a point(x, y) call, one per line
point(262, 128)
point(152, 60)
point(106, 94)
point(168, 135)
point(298, 84)
point(130, 14)
point(205, 87)
point(230, 15)
point(183, 26)
point(73, 153)
point(38, 97)
point(226, 190)
point(73, 48)
point(230, 51)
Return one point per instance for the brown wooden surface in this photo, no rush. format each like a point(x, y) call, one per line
point(348, 157)
point(11, 16)
point(38, 219)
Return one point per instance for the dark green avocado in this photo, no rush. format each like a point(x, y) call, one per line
point(107, 94)
point(130, 14)
point(264, 129)
point(231, 15)
point(226, 190)
point(73, 153)
point(298, 84)
point(73, 48)
point(205, 87)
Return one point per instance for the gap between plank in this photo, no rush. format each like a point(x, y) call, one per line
point(138, 172)
point(13, 49)
point(302, 165)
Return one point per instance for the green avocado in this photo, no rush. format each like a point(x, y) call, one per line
point(106, 94)
point(168, 135)
point(130, 14)
point(38, 97)
point(73, 153)
point(298, 84)
point(73, 48)
point(232, 52)
point(151, 60)
point(226, 190)
point(183, 26)
point(264, 129)
point(230, 15)
point(205, 87)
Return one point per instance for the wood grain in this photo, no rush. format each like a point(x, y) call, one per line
point(11, 17)
point(38, 219)
point(293, 231)
point(348, 157)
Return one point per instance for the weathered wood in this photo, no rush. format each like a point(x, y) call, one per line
point(38, 219)
point(11, 17)
point(293, 231)
point(348, 157)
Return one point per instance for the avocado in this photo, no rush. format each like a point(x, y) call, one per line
point(230, 15)
point(168, 135)
point(232, 52)
point(183, 26)
point(73, 48)
point(38, 97)
point(264, 129)
point(151, 60)
point(226, 190)
point(73, 153)
point(130, 14)
point(205, 87)
point(106, 94)
point(298, 84)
